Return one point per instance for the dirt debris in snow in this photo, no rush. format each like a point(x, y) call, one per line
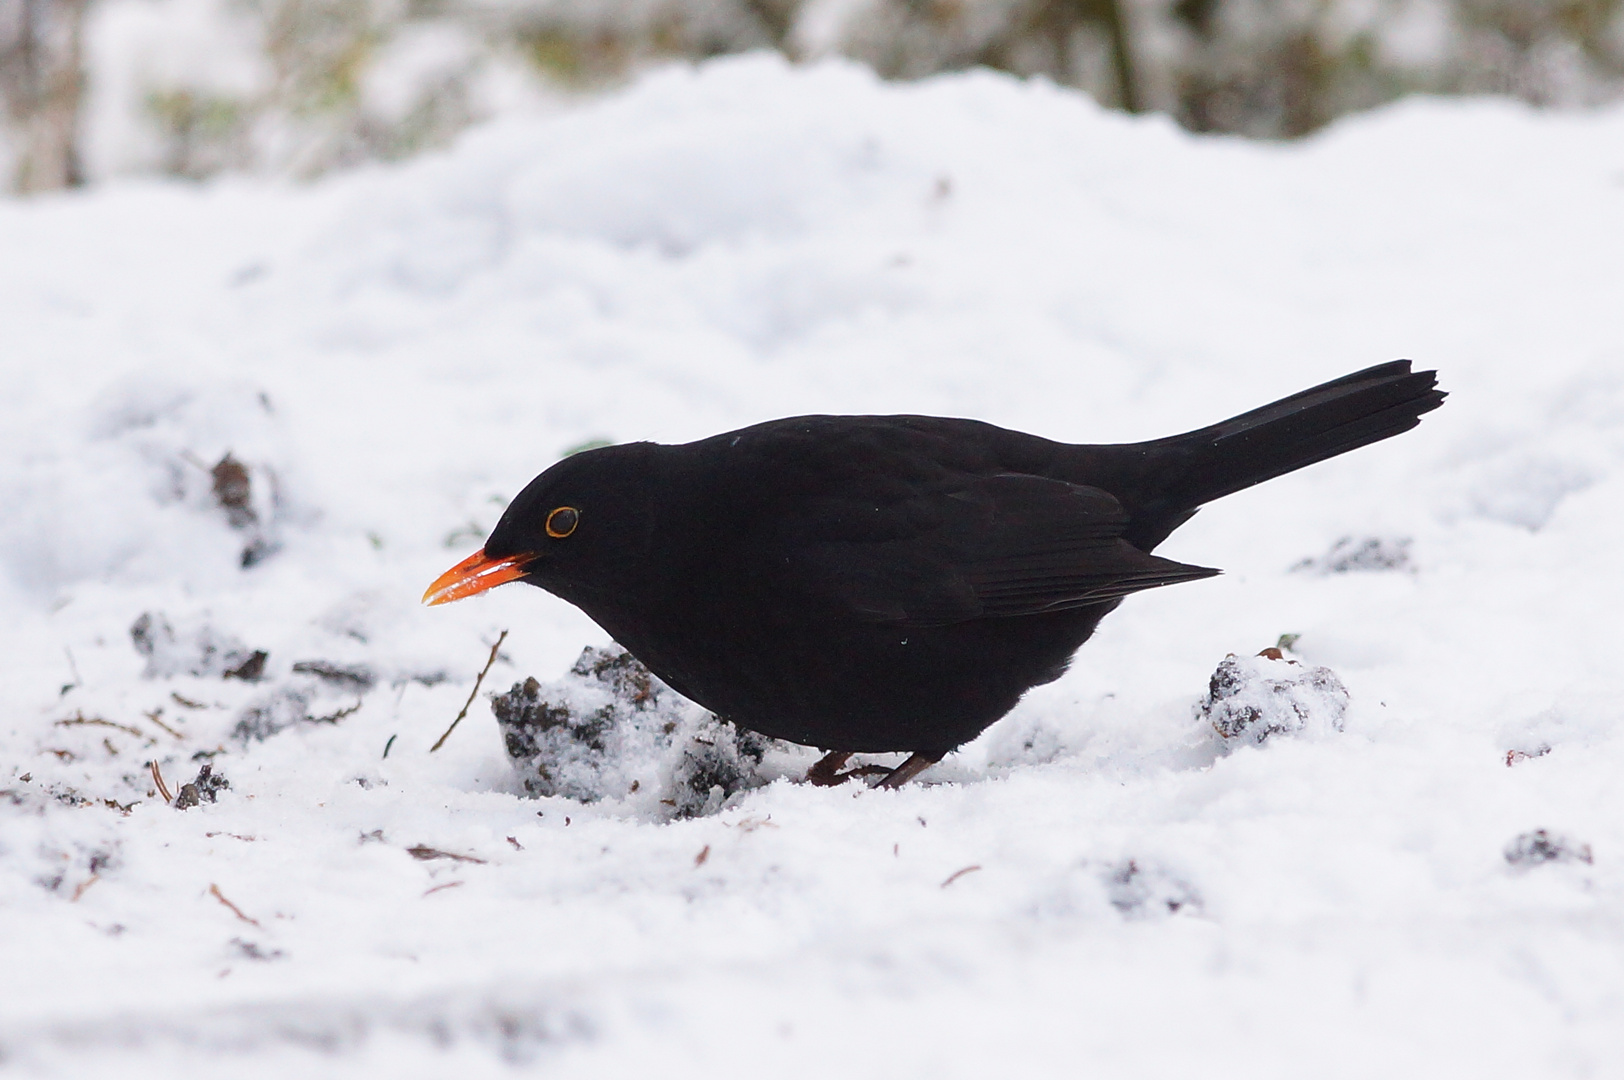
point(233, 491)
point(1541, 846)
point(342, 676)
point(277, 711)
point(195, 649)
point(1366, 553)
point(205, 787)
point(1142, 890)
point(1251, 698)
point(610, 729)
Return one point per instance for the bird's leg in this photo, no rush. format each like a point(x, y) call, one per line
point(916, 764)
point(826, 773)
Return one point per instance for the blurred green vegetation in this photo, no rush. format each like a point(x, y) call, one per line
point(342, 81)
point(202, 132)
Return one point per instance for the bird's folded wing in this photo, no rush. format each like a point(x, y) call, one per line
point(994, 546)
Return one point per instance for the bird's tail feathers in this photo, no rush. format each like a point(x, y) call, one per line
point(1319, 423)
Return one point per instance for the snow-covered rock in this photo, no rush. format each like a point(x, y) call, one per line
point(1250, 698)
point(610, 729)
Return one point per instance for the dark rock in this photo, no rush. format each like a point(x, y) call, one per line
point(255, 552)
point(234, 491)
point(251, 669)
point(205, 788)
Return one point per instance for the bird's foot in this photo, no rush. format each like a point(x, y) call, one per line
point(895, 778)
point(826, 773)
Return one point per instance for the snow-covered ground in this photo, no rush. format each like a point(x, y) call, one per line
point(393, 352)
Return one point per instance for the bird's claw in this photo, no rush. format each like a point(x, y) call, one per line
point(826, 773)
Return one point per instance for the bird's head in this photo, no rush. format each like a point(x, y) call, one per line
point(577, 527)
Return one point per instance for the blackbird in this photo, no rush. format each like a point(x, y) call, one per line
point(891, 583)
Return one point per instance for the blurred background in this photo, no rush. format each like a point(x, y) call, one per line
point(92, 89)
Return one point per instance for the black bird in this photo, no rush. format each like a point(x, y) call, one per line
point(891, 583)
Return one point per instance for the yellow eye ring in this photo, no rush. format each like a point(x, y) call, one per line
point(562, 522)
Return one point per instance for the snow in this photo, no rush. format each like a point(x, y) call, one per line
point(1252, 698)
point(1095, 885)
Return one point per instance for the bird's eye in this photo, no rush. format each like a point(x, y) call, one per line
point(562, 522)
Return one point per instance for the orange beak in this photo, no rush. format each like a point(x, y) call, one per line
point(474, 575)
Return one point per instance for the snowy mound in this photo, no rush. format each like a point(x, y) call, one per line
point(611, 729)
point(1251, 698)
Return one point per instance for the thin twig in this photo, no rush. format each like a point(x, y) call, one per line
point(81, 720)
point(447, 885)
point(424, 852)
point(959, 873)
point(153, 716)
point(83, 885)
point(472, 694)
point(336, 717)
point(158, 778)
point(235, 910)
